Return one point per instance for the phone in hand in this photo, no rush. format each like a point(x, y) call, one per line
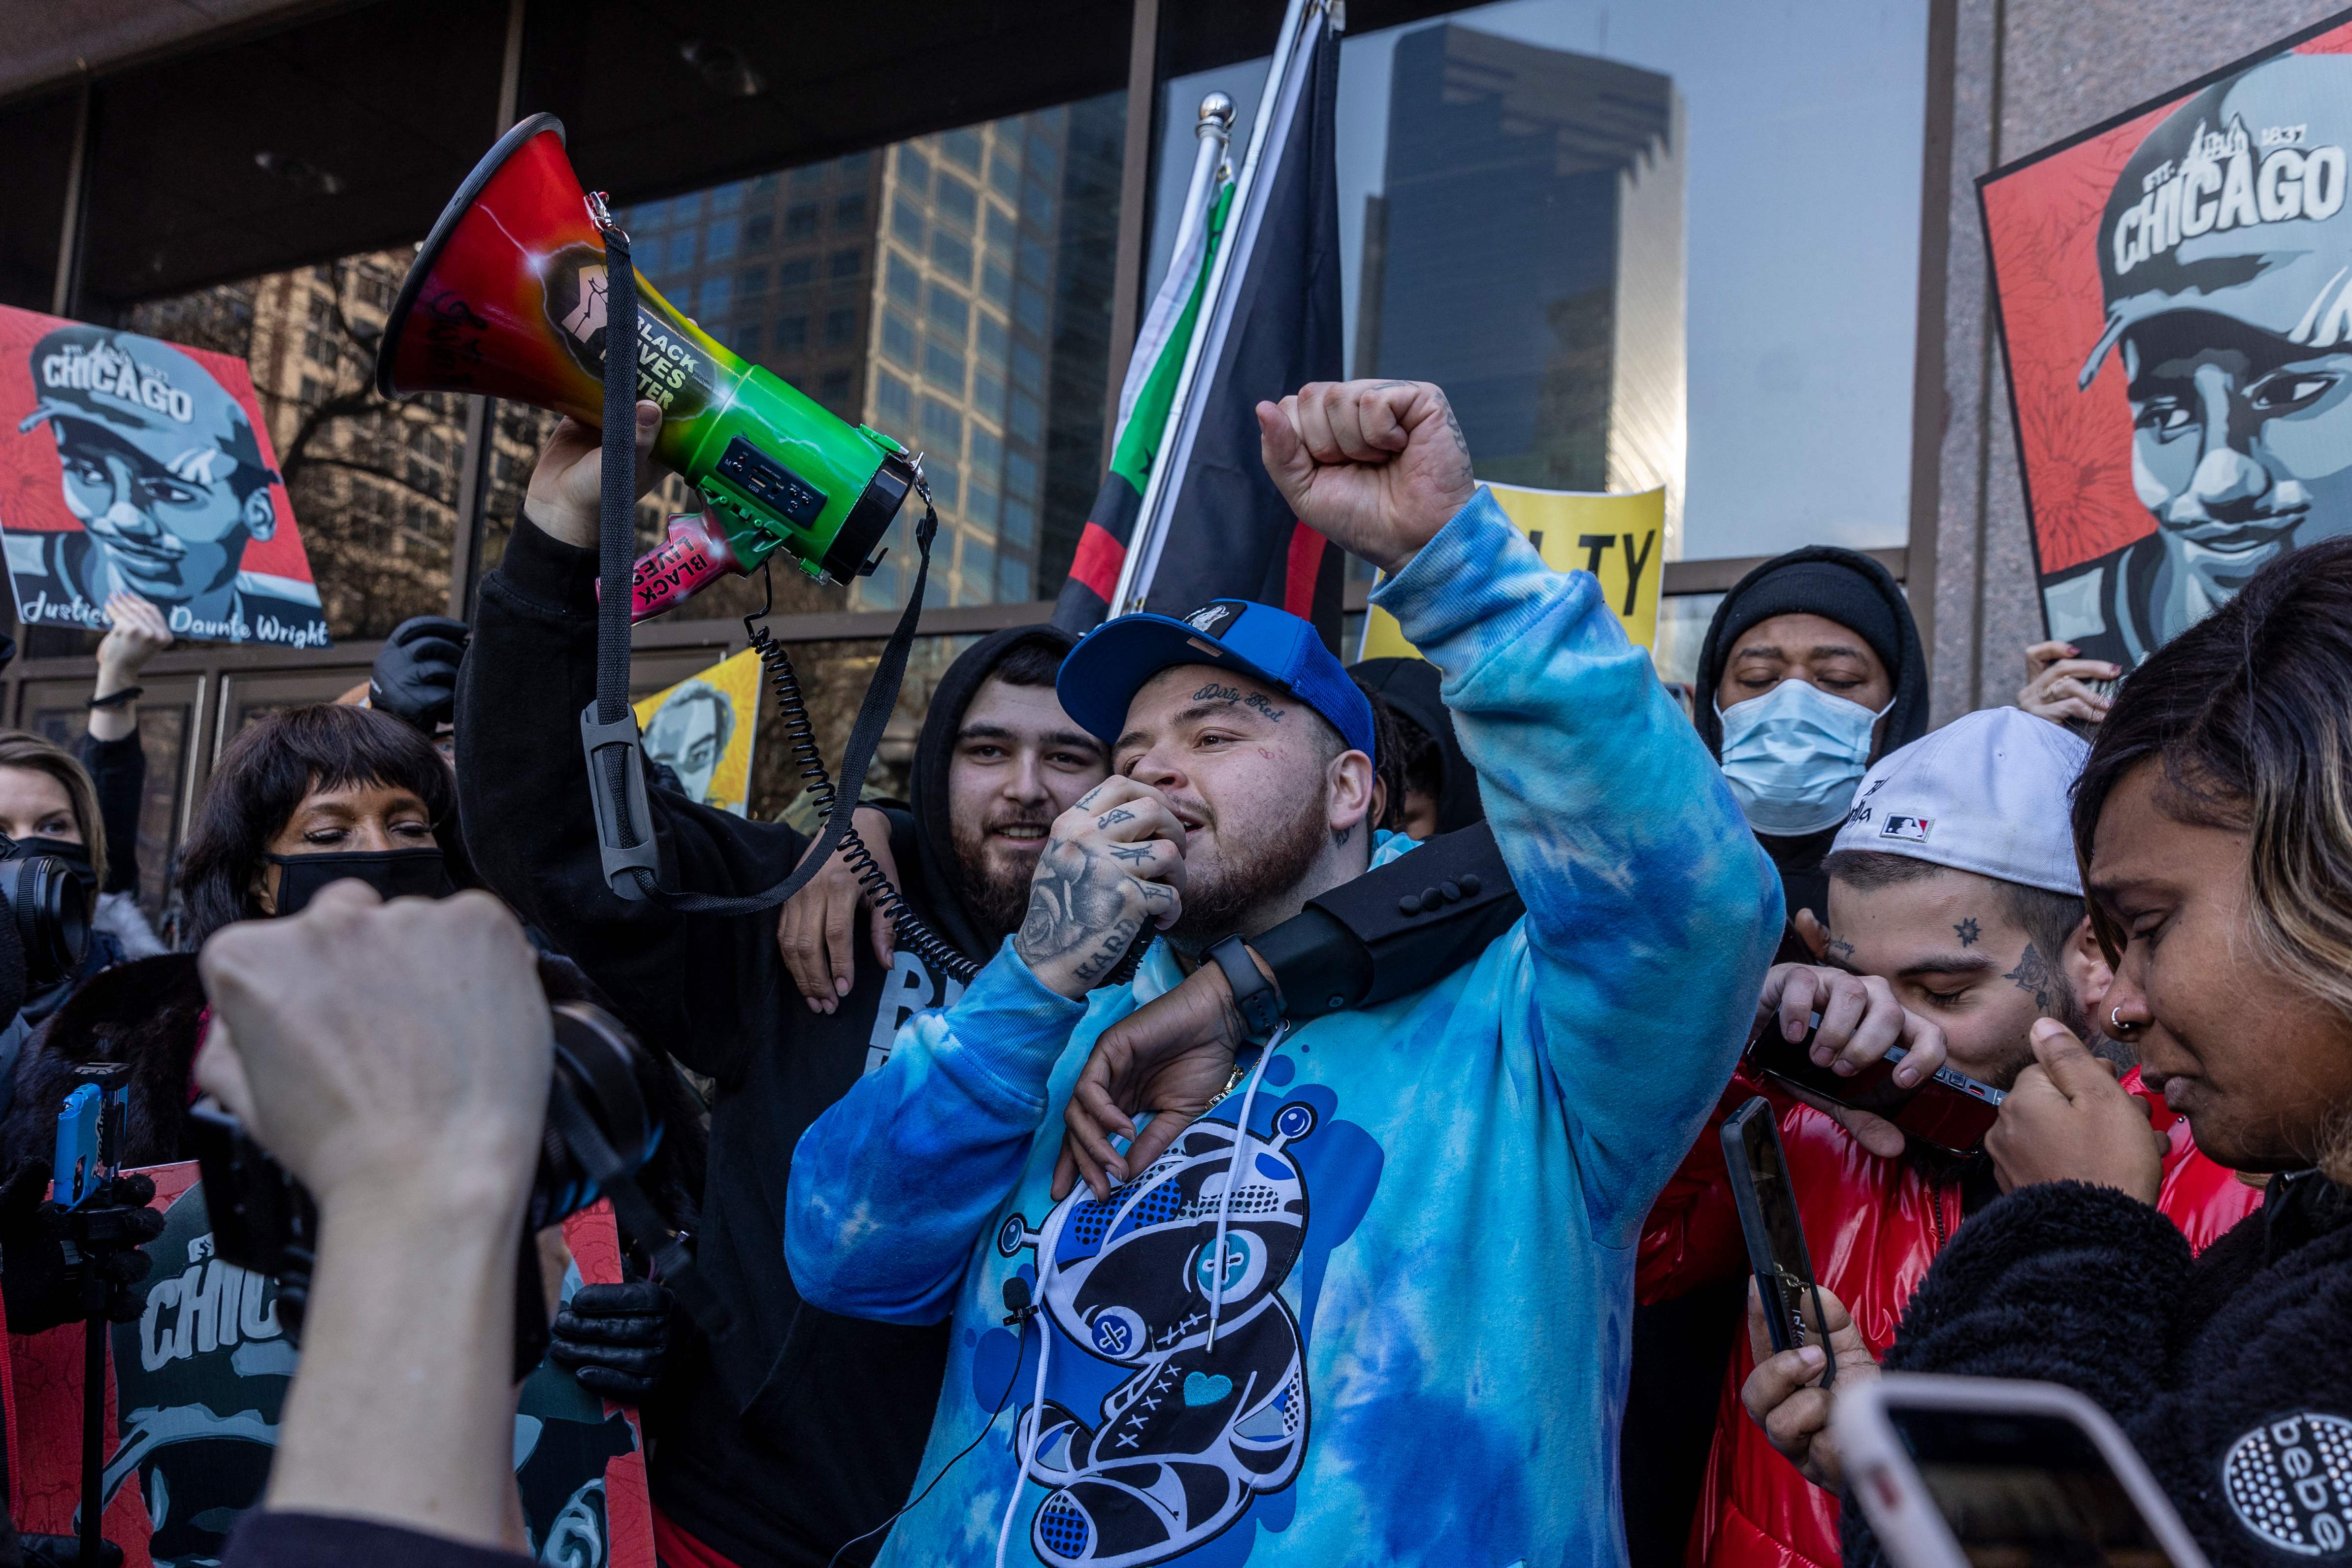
point(1950, 1110)
point(1775, 1235)
point(1979, 1472)
point(90, 1132)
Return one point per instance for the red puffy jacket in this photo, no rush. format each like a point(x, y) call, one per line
point(1872, 1226)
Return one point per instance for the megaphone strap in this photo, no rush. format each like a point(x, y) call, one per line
point(609, 727)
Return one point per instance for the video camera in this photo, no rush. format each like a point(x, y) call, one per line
point(602, 1128)
point(48, 912)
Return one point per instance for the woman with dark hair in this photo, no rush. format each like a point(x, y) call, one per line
point(2213, 820)
point(305, 796)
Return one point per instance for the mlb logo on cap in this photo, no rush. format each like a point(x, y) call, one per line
point(1118, 658)
point(1987, 793)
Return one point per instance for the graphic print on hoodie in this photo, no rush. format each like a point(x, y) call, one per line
point(1153, 1437)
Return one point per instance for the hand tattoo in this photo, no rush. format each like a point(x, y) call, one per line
point(1967, 931)
point(1115, 815)
point(1073, 897)
point(2033, 974)
point(1133, 853)
point(1112, 947)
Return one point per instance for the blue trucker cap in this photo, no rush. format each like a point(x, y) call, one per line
point(1113, 662)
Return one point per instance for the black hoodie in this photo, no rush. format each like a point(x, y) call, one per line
point(1413, 687)
point(802, 1430)
point(1850, 588)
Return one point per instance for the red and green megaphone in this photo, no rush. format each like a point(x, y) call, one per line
point(507, 299)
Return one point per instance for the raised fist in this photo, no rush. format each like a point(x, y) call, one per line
point(1375, 467)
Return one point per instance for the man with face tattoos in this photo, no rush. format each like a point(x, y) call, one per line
point(1369, 1304)
point(1956, 922)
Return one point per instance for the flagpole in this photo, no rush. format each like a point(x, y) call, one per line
point(1213, 130)
point(1128, 596)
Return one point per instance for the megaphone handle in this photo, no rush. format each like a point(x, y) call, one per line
point(617, 511)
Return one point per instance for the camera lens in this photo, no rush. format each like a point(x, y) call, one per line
point(51, 914)
point(602, 1070)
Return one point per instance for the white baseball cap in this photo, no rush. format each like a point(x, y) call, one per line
point(1989, 792)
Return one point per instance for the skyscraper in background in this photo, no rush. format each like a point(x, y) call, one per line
point(1548, 186)
point(952, 290)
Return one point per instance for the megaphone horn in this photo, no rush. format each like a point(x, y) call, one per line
point(507, 299)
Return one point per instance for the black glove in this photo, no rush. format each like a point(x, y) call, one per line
point(41, 1288)
point(615, 1339)
point(415, 675)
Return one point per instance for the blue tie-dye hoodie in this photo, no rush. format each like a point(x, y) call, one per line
point(1421, 1347)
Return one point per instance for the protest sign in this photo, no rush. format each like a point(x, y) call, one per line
point(1616, 538)
point(192, 1411)
point(127, 462)
point(703, 728)
point(2174, 290)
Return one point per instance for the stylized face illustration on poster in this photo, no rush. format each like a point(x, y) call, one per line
point(128, 463)
point(2176, 305)
point(702, 728)
point(200, 1380)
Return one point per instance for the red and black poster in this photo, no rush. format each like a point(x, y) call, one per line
point(128, 463)
point(193, 1406)
point(2174, 290)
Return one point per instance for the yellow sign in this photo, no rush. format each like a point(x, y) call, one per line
point(703, 726)
point(1615, 538)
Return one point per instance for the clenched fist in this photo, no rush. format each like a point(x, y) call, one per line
point(1375, 467)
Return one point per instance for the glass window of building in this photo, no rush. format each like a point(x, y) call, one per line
point(1638, 246)
point(910, 309)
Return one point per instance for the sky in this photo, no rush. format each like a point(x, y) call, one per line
point(1802, 270)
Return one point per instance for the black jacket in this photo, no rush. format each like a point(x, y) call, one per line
point(2227, 1371)
point(802, 1430)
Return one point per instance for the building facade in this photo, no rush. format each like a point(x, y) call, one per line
point(1733, 253)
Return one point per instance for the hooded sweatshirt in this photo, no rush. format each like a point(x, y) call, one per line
point(1411, 686)
point(1850, 588)
point(1427, 1266)
point(800, 1430)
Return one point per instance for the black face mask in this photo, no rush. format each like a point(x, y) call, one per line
point(75, 856)
point(395, 873)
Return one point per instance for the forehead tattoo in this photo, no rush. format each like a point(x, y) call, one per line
point(1255, 701)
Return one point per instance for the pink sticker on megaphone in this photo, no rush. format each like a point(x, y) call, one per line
point(694, 555)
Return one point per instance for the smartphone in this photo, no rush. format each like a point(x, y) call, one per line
point(1776, 1235)
point(1951, 1110)
point(89, 1133)
point(1979, 1472)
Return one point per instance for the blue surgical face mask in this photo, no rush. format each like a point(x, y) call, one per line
point(1794, 756)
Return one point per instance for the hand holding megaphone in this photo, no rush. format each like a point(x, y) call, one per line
point(567, 486)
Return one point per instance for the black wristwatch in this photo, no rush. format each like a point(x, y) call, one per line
point(1259, 999)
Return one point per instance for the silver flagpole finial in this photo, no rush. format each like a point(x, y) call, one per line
point(1216, 116)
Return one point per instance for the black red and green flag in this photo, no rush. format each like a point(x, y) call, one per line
point(1152, 373)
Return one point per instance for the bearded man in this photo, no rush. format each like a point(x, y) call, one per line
point(796, 1432)
point(1372, 1306)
